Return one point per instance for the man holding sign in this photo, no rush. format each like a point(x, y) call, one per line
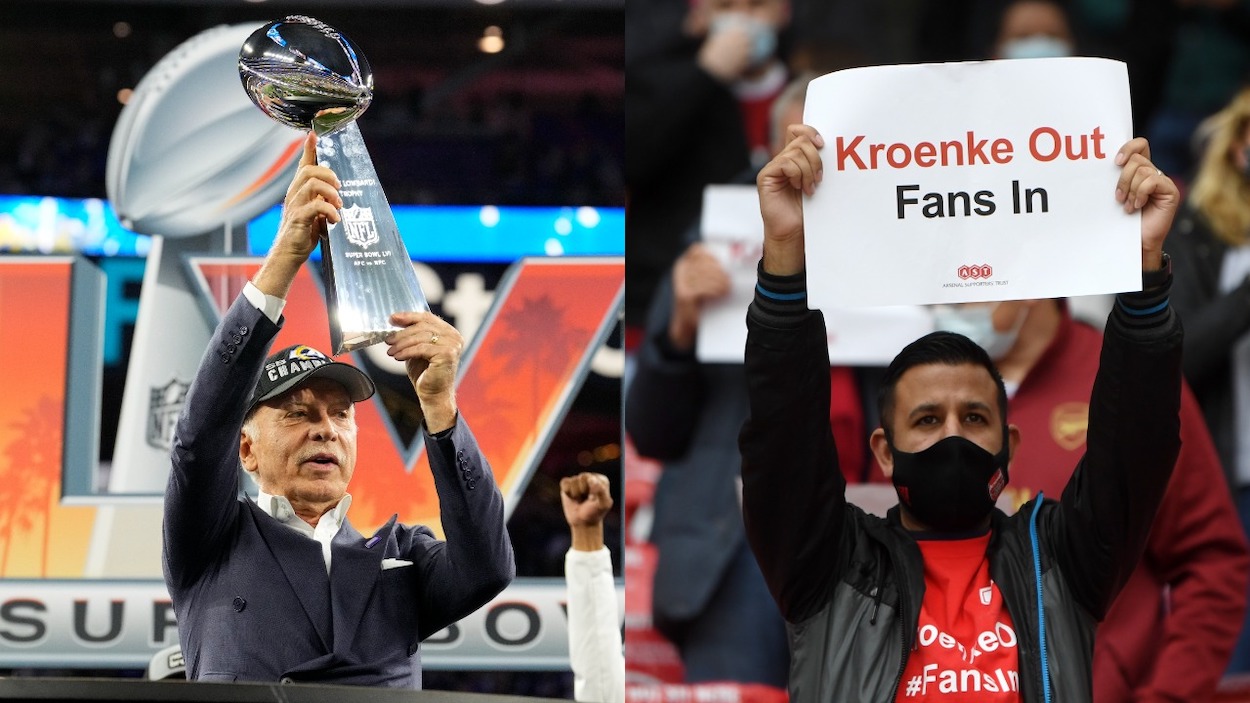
point(948, 598)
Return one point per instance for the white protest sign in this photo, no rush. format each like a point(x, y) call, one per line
point(976, 181)
point(733, 232)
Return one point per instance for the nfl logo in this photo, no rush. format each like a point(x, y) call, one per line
point(163, 408)
point(359, 227)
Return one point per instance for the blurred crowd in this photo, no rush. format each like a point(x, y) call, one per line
point(563, 150)
point(558, 151)
point(711, 85)
point(538, 123)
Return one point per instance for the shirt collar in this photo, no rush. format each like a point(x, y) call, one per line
point(280, 509)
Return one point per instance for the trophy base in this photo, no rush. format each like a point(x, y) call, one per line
point(358, 340)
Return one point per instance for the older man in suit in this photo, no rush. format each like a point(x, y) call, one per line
point(284, 588)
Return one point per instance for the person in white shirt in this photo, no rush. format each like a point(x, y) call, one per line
point(595, 652)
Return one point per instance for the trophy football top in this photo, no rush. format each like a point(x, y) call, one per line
point(305, 74)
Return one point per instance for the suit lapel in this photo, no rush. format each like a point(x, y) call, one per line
point(304, 567)
point(354, 572)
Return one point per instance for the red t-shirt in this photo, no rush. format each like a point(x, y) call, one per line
point(965, 648)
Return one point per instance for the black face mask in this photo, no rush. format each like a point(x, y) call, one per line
point(952, 485)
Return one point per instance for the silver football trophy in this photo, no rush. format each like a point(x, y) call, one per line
point(305, 74)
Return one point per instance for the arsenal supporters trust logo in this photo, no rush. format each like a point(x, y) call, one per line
point(975, 272)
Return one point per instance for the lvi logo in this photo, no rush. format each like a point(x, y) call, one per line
point(975, 272)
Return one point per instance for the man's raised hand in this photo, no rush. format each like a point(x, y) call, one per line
point(1142, 186)
point(795, 171)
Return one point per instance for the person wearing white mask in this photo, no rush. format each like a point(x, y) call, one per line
point(698, 114)
point(1170, 632)
point(739, 49)
point(981, 324)
point(1034, 29)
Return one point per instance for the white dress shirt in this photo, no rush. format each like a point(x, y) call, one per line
point(595, 652)
point(271, 305)
point(279, 508)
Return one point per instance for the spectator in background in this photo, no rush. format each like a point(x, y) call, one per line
point(652, 27)
point(594, 630)
point(709, 597)
point(1170, 632)
point(1211, 238)
point(1140, 33)
point(962, 30)
point(1210, 61)
point(1185, 58)
point(1031, 29)
point(697, 113)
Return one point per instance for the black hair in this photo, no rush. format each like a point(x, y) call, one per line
point(949, 348)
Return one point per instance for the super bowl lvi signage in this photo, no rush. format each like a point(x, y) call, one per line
point(516, 393)
point(189, 153)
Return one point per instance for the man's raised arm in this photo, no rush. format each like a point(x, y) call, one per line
point(203, 481)
point(1134, 426)
point(793, 491)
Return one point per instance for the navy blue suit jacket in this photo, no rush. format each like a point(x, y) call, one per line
point(252, 596)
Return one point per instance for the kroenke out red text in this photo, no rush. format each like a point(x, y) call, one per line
point(1045, 144)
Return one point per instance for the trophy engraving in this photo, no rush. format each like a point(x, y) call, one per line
point(305, 74)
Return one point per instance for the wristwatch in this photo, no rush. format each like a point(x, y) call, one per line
point(1154, 279)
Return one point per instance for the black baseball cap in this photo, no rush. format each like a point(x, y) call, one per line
point(299, 362)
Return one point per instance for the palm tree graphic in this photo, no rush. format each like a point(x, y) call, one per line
point(537, 339)
point(31, 477)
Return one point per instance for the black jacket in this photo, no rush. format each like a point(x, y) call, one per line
point(683, 130)
point(851, 584)
point(252, 596)
point(687, 415)
point(1214, 322)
